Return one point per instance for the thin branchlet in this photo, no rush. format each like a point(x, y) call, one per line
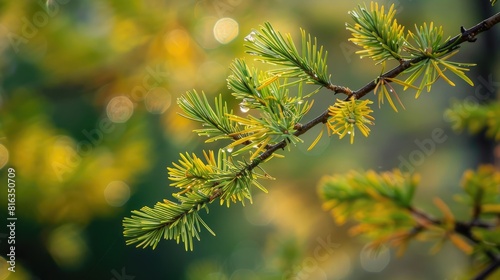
point(466, 35)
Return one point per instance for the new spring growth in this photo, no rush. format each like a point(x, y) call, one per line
point(348, 115)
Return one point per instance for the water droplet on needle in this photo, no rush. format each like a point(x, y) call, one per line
point(244, 108)
point(249, 37)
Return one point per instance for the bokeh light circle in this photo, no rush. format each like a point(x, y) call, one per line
point(120, 109)
point(117, 193)
point(158, 100)
point(225, 30)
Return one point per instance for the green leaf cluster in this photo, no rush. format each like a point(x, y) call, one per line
point(482, 194)
point(358, 194)
point(425, 54)
point(213, 120)
point(280, 112)
point(381, 205)
point(348, 115)
point(308, 64)
point(482, 190)
point(218, 177)
point(429, 48)
point(377, 32)
point(167, 220)
point(200, 183)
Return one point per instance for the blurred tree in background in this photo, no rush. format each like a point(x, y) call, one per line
point(86, 120)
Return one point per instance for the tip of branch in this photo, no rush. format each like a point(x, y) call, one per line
point(470, 37)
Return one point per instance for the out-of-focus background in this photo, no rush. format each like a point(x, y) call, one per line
point(89, 122)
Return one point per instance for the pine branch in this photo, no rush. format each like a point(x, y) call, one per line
point(481, 194)
point(381, 204)
point(279, 111)
point(279, 54)
point(465, 230)
point(215, 123)
point(168, 220)
point(466, 35)
point(229, 181)
point(377, 32)
point(309, 65)
point(201, 183)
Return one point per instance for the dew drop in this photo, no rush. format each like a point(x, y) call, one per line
point(244, 105)
point(229, 149)
point(348, 132)
point(300, 101)
point(244, 108)
point(249, 37)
